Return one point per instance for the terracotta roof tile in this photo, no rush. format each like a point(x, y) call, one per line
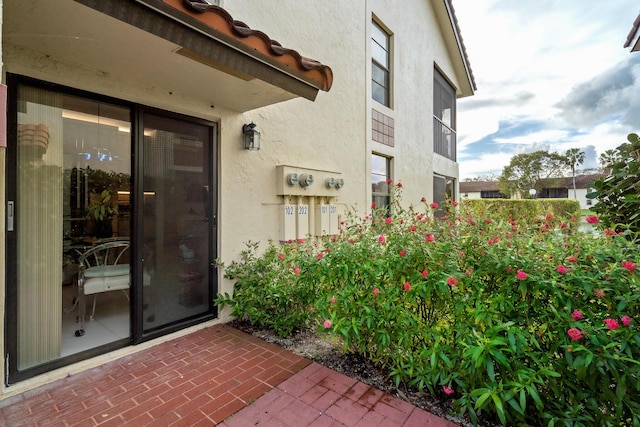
point(221, 21)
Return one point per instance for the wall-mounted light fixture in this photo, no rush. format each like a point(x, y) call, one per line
point(250, 137)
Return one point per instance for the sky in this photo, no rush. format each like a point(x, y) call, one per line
point(550, 75)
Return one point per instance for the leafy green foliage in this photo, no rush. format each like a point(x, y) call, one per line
point(524, 320)
point(529, 170)
point(618, 193)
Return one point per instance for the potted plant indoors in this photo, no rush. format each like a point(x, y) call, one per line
point(102, 209)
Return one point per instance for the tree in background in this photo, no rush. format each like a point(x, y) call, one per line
point(525, 171)
point(618, 194)
point(607, 159)
point(575, 158)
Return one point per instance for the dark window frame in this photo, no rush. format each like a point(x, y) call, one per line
point(380, 73)
point(444, 127)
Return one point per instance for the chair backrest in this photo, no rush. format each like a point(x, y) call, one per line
point(107, 253)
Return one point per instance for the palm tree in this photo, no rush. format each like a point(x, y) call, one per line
point(574, 157)
point(607, 159)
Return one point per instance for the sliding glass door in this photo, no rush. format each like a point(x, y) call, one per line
point(109, 233)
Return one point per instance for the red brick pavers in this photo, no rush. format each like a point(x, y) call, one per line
point(214, 376)
point(199, 379)
point(320, 397)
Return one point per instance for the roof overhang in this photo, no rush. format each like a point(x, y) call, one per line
point(633, 38)
point(197, 50)
point(446, 17)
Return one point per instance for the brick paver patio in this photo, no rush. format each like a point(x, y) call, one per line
point(214, 376)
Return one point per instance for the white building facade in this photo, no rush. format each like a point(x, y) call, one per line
point(143, 104)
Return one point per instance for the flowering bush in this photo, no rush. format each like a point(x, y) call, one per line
point(526, 321)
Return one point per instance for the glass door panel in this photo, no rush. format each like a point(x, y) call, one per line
point(71, 152)
point(176, 228)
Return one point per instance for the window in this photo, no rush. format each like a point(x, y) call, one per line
point(492, 194)
point(380, 175)
point(443, 190)
point(444, 117)
point(380, 65)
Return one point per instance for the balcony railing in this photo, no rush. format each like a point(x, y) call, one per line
point(444, 140)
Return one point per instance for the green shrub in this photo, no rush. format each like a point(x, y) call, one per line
point(523, 320)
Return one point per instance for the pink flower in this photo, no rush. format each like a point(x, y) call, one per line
point(281, 257)
point(454, 203)
point(563, 225)
point(561, 269)
point(296, 270)
point(447, 390)
point(376, 291)
point(452, 281)
point(548, 217)
point(327, 324)
point(407, 286)
point(488, 220)
point(389, 181)
point(572, 259)
point(592, 219)
point(388, 220)
point(521, 275)
point(424, 273)
point(300, 240)
point(574, 333)
point(429, 238)
point(423, 200)
point(577, 315)
point(626, 320)
point(609, 232)
point(612, 324)
point(333, 300)
point(434, 205)
point(403, 252)
point(320, 255)
point(629, 265)
point(413, 228)
point(399, 185)
point(373, 205)
point(382, 240)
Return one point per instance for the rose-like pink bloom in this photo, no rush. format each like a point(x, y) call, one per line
point(423, 200)
point(488, 220)
point(629, 265)
point(281, 257)
point(452, 281)
point(626, 320)
point(376, 291)
point(413, 228)
point(424, 273)
point(320, 255)
point(333, 300)
point(373, 205)
point(609, 232)
point(447, 390)
point(327, 324)
point(388, 220)
point(574, 333)
point(419, 216)
point(572, 259)
point(407, 286)
point(563, 225)
point(300, 240)
point(389, 181)
point(548, 217)
point(599, 293)
point(561, 269)
point(434, 205)
point(429, 238)
point(296, 270)
point(454, 203)
point(592, 219)
point(403, 252)
point(382, 240)
point(612, 324)
point(577, 315)
point(520, 275)
point(399, 185)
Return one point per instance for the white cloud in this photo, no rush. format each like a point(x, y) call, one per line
point(535, 64)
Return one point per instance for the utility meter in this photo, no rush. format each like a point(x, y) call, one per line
point(330, 182)
point(339, 183)
point(292, 179)
point(306, 179)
